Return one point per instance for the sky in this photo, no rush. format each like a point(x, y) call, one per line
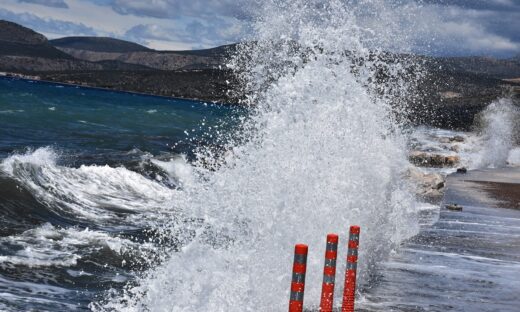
point(457, 27)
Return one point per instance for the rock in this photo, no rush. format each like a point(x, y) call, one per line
point(434, 195)
point(428, 185)
point(457, 138)
point(453, 207)
point(451, 161)
point(433, 160)
point(462, 170)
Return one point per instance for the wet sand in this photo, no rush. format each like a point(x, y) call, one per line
point(507, 194)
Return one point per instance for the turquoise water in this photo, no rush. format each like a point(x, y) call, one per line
point(35, 114)
point(84, 176)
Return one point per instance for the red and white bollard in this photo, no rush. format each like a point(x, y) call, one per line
point(329, 274)
point(298, 278)
point(349, 292)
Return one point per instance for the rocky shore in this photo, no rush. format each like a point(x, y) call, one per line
point(430, 167)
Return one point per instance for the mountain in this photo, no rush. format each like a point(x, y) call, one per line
point(98, 44)
point(26, 51)
point(14, 33)
point(453, 90)
point(115, 64)
point(497, 68)
point(16, 40)
point(94, 49)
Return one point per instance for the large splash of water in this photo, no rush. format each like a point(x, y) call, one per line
point(319, 152)
point(499, 128)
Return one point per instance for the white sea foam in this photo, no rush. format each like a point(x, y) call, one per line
point(321, 153)
point(47, 245)
point(499, 121)
point(514, 157)
point(492, 145)
point(100, 193)
point(178, 169)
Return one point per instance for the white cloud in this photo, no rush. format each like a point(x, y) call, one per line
point(455, 27)
point(174, 8)
point(455, 30)
point(50, 3)
point(48, 26)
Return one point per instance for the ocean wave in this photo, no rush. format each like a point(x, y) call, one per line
point(50, 246)
point(320, 152)
point(493, 144)
point(102, 193)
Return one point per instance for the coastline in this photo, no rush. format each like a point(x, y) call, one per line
point(37, 79)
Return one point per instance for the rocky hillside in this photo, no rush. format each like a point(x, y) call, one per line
point(109, 49)
point(206, 85)
point(14, 33)
point(98, 44)
point(16, 40)
point(26, 51)
point(455, 90)
point(496, 68)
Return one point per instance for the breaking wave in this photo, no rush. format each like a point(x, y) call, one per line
point(104, 194)
point(499, 128)
point(319, 152)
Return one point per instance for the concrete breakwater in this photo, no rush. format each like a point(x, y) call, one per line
point(465, 260)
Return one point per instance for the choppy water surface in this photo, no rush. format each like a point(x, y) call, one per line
point(119, 202)
point(80, 217)
point(84, 177)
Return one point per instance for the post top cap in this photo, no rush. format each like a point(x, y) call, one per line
point(301, 249)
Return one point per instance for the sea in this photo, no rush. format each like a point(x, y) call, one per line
point(89, 178)
point(113, 201)
point(84, 176)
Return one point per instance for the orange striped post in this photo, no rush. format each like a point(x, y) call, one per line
point(329, 273)
point(298, 278)
point(349, 292)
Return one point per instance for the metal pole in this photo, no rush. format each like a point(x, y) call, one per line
point(298, 278)
point(349, 292)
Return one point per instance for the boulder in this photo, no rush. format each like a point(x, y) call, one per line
point(428, 185)
point(462, 170)
point(454, 207)
point(424, 159)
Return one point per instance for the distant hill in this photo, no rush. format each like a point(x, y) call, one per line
point(94, 49)
point(454, 88)
point(98, 44)
point(496, 68)
point(24, 50)
point(222, 51)
point(14, 33)
point(16, 40)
